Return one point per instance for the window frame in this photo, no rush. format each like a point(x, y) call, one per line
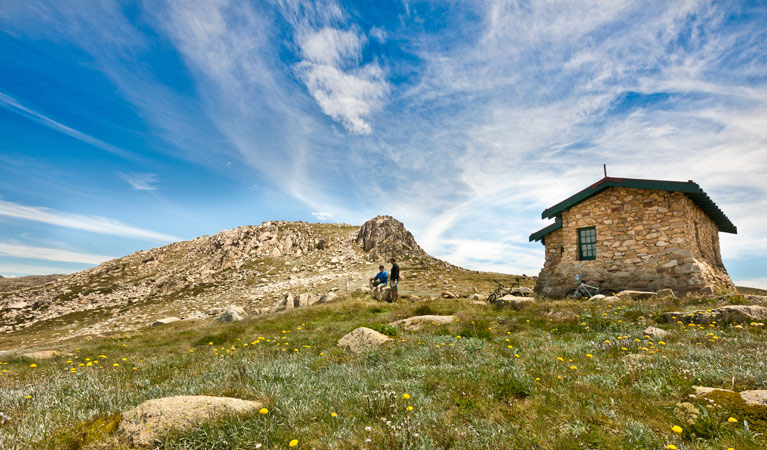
point(581, 244)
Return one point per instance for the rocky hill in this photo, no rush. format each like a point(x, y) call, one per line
point(255, 268)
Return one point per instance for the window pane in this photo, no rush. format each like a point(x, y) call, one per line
point(587, 238)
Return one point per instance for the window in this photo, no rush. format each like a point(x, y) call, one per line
point(587, 243)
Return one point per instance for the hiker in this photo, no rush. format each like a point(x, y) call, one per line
point(379, 281)
point(394, 280)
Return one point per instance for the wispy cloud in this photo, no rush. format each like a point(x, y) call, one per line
point(11, 104)
point(93, 224)
point(345, 91)
point(50, 254)
point(140, 181)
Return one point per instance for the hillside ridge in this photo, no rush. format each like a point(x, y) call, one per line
point(250, 266)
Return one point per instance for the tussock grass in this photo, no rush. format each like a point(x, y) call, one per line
point(494, 378)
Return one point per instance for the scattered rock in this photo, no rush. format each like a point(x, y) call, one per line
point(232, 313)
point(752, 398)
point(164, 321)
point(636, 295)
point(419, 322)
point(516, 302)
point(17, 305)
point(448, 294)
point(44, 354)
point(384, 295)
point(655, 332)
point(327, 298)
point(755, 398)
point(363, 339)
point(522, 291)
point(152, 419)
point(197, 315)
point(598, 297)
point(729, 313)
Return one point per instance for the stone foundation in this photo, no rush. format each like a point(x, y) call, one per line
point(646, 240)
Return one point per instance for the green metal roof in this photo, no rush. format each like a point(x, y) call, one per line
point(539, 235)
point(690, 188)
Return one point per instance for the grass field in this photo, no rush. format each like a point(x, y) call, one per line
point(558, 375)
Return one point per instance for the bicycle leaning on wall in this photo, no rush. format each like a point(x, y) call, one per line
point(585, 291)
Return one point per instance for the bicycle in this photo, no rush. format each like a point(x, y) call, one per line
point(502, 291)
point(582, 290)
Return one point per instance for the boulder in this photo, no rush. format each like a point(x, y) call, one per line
point(522, 291)
point(755, 398)
point(598, 297)
point(43, 354)
point(164, 321)
point(448, 294)
point(752, 398)
point(153, 419)
point(17, 305)
point(636, 295)
point(516, 302)
point(655, 332)
point(419, 322)
point(363, 339)
point(729, 313)
point(302, 301)
point(329, 297)
point(384, 295)
point(232, 313)
point(289, 302)
point(611, 299)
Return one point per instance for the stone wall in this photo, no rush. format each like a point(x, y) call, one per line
point(646, 239)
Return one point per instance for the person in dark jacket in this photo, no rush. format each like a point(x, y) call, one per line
point(394, 279)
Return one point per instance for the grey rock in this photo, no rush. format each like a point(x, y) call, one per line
point(232, 313)
point(655, 332)
point(363, 339)
point(636, 295)
point(141, 426)
point(419, 322)
point(164, 321)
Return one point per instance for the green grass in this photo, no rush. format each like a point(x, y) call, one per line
point(499, 385)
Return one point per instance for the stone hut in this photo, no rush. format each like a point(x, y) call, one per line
point(634, 234)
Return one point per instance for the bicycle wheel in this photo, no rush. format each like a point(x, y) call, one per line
point(491, 298)
point(575, 294)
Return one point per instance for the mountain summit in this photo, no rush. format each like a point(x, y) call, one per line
point(254, 267)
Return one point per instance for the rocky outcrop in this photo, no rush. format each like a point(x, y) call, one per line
point(385, 237)
point(363, 339)
point(140, 427)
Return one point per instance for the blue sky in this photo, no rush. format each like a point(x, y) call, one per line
point(128, 125)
